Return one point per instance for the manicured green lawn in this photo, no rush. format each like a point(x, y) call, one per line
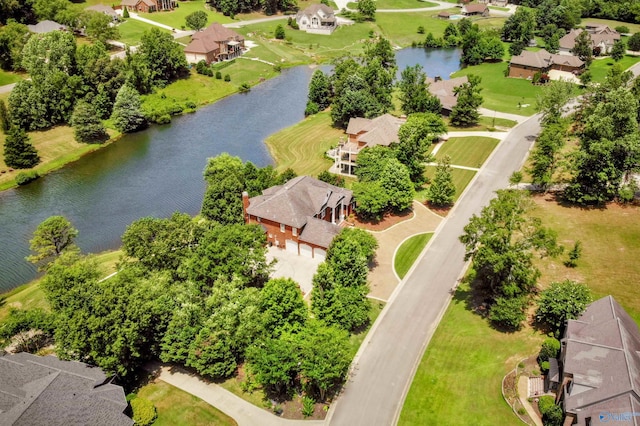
point(409, 252)
point(7, 77)
point(177, 407)
point(600, 67)
point(501, 93)
point(303, 145)
point(403, 4)
point(469, 151)
point(176, 18)
point(634, 28)
point(459, 379)
point(461, 178)
point(131, 30)
point(485, 124)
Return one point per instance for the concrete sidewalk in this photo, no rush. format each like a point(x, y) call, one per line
point(243, 412)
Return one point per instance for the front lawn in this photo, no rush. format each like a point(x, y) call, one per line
point(461, 178)
point(500, 93)
point(131, 30)
point(468, 151)
point(403, 4)
point(303, 145)
point(177, 17)
point(485, 124)
point(600, 67)
point(408, 252)
point(177, 407)
point(458, 381)
point(7, 77)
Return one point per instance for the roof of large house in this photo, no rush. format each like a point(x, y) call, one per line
point(602, 34)
point(602, 354)
point(382, 130)
point(543, 59)
point(297, 200)
point(46, 27)
point(475, 8)
point(444, 90)
point(209, 39)
point(38, 390)
point(322, 10)
point(319, 232)
point(108, 10)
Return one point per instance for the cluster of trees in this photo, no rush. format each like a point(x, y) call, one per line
point(269, 7)
point(502, 242)
point(227, 178)
point(196, 292)
point(358, 87)
point(567, 11)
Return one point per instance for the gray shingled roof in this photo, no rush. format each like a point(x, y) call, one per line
point(107, 10)
point(319, 232)
point(543, 59)
point(444, 90)
point(297, 200)
point(38, 390)
point(46, 27)
point(602, 354)
point(314, 9)
point(382, 130)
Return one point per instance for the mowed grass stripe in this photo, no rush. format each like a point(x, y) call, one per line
point(461, 178)
point(468, 151)
point(302, 146)
point(409, 252)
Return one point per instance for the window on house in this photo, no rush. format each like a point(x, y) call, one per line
point(294, 231)
point(282, 227)
point(322, 214)
point(259, 219)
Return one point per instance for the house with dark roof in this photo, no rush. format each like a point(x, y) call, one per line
point(475, 9)
point(317, 19)
point(600, 365)
point(36, 390)
point(43, 27)
point(214, 43)
point(363, 133)
point(602, 39)
point(101, 8)
point(444, 90)
point(147, 6)
point(302, 216)
point(527, 63)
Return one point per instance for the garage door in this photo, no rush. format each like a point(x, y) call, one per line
point(292, 246)
point(319, 254)
point(306, 250)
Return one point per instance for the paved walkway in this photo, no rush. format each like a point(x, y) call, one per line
point(243, 412)
point(497, 114)
point(241, 24)
point(468, 134)
point(382, 277)
point(523, 394)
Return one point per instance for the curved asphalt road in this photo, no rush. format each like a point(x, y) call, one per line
point(385, 365)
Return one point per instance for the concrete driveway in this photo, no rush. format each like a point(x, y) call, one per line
point(299, 268)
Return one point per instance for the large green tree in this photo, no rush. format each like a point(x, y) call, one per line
point(442, 190)
point(127, 112)
point(319, 90)
point(197, 20)
point(414, 95)
point(415, 137)
point(99, 26)
point(53, 236)
point(545, 156)
point(282, 306)
point(520, 26)
point(222, 201)
point(18, 150)
point(583, 47)
point(87, 126)
point(367, 9)
point(465, 112)
point(13, 37)
point(560, 302)
point(163, 56)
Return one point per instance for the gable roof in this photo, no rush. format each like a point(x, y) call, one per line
point(46, 27)
point(382, 130)
point(475, 8)
point(319, 9)
point(319, 232)
point(297, 200)
point(107, 10)
point(45, 390)
point(602, 353)
point(601, 34)
point(444, 90)
point(543, 59)
point(210, 39)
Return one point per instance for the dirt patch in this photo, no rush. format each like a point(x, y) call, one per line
point(387, 221)
point(439, 210)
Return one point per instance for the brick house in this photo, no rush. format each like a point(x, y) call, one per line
point(527, 63)
point(362, 133)
point(214, 43)
point(147, 6)
point(600, 365)
point(302, 216)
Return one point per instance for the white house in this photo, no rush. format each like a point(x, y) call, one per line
point(317, 19)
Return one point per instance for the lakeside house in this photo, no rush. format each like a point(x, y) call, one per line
point(317, 19)
point(600, 366)
point(148, 6)
point(475, 9)
point(527, 63)
point(302, 216)
point(363, 133)
point(43, 27)
point(213, 44)
point(602, 39)
point(444, 90)
point(44, 390)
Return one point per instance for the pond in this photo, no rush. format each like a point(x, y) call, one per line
point(159, 171)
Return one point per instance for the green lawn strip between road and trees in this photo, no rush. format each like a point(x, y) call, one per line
point(176, 407)
point(131, 30)
point(403, 4)
point(461, 178)
point(469, 151)
point(458, 380)
point(408, 252)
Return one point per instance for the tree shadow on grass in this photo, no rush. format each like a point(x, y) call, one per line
point(558, 198)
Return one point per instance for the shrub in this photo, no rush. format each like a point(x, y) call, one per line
point(544, 367)
point(420, 29)
point(24, 178)
point(560, 302)
point(218, 75)
point(308, 405)
point(311, 109)
point(125, 13)
point(627, 193)
point(279, 32)
point(522, 411)
point(508, 312)
point(574, 255)
point(277, 68)
point(553, 417)
point(190, 105)
point(227, 77)
point(163, 119)
point(550, 349)
point(546, 403)
point(622, 29)
point(144, 412)
point(244, 88)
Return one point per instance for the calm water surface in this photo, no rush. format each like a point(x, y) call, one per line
point(159, 171)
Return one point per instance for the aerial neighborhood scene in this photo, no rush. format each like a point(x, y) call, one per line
point(306, 212)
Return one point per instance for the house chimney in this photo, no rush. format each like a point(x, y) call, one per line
point(245, 206)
